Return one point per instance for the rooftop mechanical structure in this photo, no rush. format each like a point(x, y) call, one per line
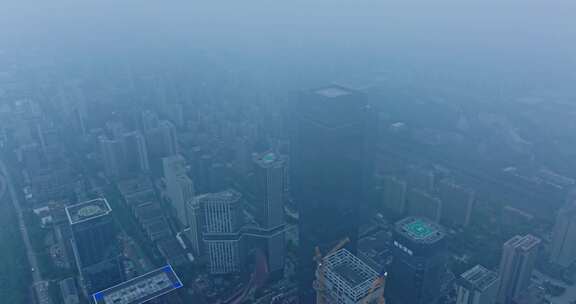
point(141, 289)
point(420, 230)
point(87, 211)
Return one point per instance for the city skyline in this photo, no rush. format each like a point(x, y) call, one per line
point(331, 152)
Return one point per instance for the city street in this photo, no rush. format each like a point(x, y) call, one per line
point(7, 188)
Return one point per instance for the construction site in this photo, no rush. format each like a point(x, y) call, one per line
point(342, 278)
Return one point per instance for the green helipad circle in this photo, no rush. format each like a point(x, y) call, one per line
point(419, 229)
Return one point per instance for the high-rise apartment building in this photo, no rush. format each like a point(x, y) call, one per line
point(418, 270)
point(113, 156)
point(195, 225)
point(136, 153)
point(563, 251)
point(95, 245)
point(328, 148)
point(179, 186)
point(477, 285)
point(125, 155)
point(518, 257)
point(161, 140)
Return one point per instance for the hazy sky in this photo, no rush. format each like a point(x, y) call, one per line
point(539, 36)
point(443, 20)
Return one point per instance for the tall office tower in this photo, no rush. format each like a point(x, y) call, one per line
point(94, 244)
point(394, 195)
point(564, 237)
point(423, 204)
point(518, 257)
point(478, 285)
point(269, 202)
point(457, 202)
point(418, 270)
point(195, 225)
point(113, 156)
point(162, 140)
point(328, 170)
point(269, 175)
point(344, 278)
point(221, 235)
point(179, 186)
point(136, 154)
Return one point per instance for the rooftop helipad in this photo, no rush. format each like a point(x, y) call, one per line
point(420, 229)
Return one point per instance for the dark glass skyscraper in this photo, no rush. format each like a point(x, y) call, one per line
point(329, 143)
point(418, 271)
point(95, 245)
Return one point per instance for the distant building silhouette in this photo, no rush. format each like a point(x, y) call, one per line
point(125, 155)
point(161, 140)
point(113, 156)
point(422, 203)
point(136, 152)
point(563, 251)
point(421, 178)
point(394, 195)
point(457, 202)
